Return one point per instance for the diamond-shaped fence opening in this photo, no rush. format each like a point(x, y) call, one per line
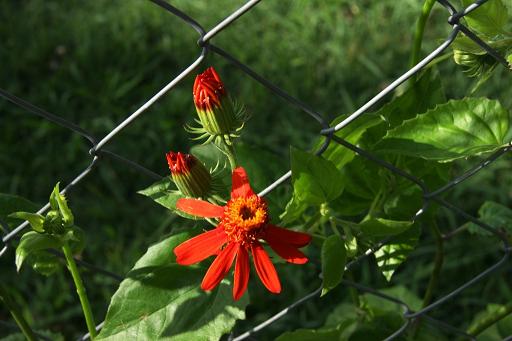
point(98, 153)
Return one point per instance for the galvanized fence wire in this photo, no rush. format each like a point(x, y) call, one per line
point(98, 153)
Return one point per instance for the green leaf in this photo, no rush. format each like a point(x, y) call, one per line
point(162, 300)
point(13, 203)
point(32, 242)
point(315, 179)
point(339, 154)
point(360, 190)
point(457, 129)
point(43, 262)
point(210, 155)
point(413, 101)
point(394, 253)
point(65, 212)
point(379, 227)
point(35, 220)
point(293, 211)
point(490, 18)
point(495, 215)
point(333, 262)
point(163, 193)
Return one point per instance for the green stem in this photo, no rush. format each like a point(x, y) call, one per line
point(438, 263)
point(377, 203)
point(490, 319)
point(418, 33)
point(434, 276)
point(80, 289)
point(16, 314)
point(311, 222)
point(334, 227)
point(229, 151)
point(354, 294)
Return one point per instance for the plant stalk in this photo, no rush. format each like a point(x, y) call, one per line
point(489, 320)
point(354, 294)
point(16, 314)
point(230, 152)
point(438, 263)
point(418, 33)
point(80, 289)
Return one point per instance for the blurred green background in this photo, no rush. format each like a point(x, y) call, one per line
point(95, 62)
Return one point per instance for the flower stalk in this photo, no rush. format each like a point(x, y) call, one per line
point(420, 29)
point(80, 289)
point(489, 320)
point(16, 314)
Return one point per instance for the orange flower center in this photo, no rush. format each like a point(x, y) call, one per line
point(244, 218)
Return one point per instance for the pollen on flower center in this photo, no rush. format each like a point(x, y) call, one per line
point(244, 218)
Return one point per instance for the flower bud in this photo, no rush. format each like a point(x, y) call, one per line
point(214, 108)
point(189, 174)
point(53, 223)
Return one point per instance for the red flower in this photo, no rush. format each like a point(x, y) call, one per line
point(244, 221)
point(189, 174)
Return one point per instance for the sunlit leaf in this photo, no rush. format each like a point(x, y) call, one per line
point(457, 129)
point(392, 254)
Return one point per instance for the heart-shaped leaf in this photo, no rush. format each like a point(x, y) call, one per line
point(162, 300)
point(315, 179)
point(457, 129)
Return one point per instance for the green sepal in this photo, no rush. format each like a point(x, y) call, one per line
point(62, 206)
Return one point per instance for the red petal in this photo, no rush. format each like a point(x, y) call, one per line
point(276, 233)
point(265, 268)
point(241, 276)
point(219, 267)
point(199, 208)
point(200, 247)
point(288, 252)
point(240, 184)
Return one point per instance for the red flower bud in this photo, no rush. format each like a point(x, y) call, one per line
point(214, 108)
point(189, 174)
point(208, 90)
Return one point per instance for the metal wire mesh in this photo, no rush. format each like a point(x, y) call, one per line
point(99, 153)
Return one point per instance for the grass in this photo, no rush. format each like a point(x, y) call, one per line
point(95, 62)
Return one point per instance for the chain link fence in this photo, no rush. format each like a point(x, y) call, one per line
point(98, 153)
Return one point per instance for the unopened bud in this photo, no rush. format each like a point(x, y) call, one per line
point(189, 174)
point(214, 108)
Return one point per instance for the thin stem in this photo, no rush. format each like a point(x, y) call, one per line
point(490, 319)
point(418, 33)
point(438, 263)
point(230, 152)
point(16, 314)
point(376, 204)
point(434, 276)
point(334, 227)
point(354, 294)
point(80, 289)
point(312, 222)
